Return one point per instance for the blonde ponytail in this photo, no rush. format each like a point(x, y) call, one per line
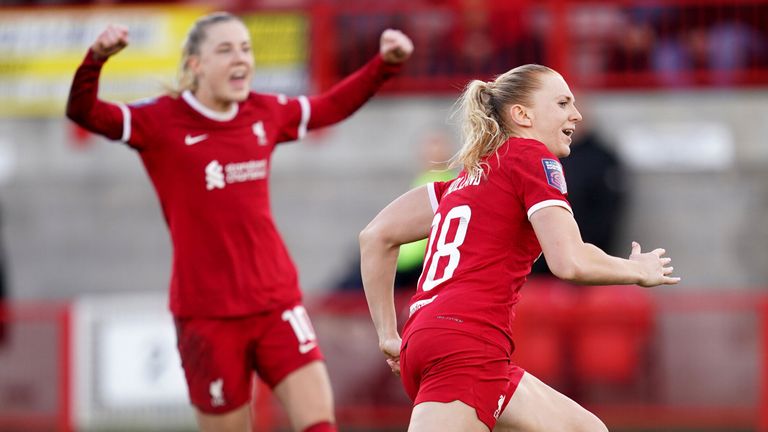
point(482, 106)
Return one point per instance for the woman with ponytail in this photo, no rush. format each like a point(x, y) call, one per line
point(207, 148)
point(486, 228)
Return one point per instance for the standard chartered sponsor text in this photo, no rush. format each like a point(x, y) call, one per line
point(238, 172)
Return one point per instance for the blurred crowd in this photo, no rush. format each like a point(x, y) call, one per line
point(659, 44)
point(652, 43)
point(674, 41)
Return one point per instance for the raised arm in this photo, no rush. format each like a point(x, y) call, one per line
point(571, 259)
point(346, 97)
point(406, 219)
point(83, 105)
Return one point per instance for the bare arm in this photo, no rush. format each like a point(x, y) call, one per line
point(571, 259)
point(406, 219)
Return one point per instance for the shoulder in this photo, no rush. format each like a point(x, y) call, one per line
point(267, 105)
point(518, 154)
point(267, 99)
point(162, 102)
point(524, 148)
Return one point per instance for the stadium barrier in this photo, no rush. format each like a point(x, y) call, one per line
point(35, 367)
point(635, 357)
point(621, 44)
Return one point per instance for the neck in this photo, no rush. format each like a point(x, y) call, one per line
point(212, 103)
point(525, 133)
point(199, 106)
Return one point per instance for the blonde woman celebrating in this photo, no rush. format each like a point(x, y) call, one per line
point(234, 289)
point(486, 228)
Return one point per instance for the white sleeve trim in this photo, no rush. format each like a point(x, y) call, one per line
point(306, 112)
point(548, 203)
point(126, 122)
point(432, 196)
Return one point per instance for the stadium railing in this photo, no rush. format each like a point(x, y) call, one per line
point(621, 44)
point(36, 367)
point(608, 347)
point(624, 352)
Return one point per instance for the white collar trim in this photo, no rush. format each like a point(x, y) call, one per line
point(207, 112)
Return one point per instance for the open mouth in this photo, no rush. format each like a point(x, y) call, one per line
point(238, 74)
point(568, 132)
point(238, 77)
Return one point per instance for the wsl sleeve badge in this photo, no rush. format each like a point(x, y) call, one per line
point(555, 177)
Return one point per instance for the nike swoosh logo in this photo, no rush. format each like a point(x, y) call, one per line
point(307, 347)
point(192, 140)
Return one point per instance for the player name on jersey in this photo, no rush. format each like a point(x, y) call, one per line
point(469, 180)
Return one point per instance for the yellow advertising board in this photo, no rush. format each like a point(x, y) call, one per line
point(40, 48)
point(279, 39)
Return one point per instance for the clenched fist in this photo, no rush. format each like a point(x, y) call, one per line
point(395, 46)
point(113, 39)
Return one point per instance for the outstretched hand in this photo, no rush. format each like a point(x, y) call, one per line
point(113, 39)
point(395, 46)
point(657, 268)
point(391, 349)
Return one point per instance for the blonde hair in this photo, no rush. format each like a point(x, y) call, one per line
point(481, 108)
point(197, 34)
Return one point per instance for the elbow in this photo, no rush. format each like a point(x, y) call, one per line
point(74, 114)
point(567, 269)
point(70, 113)
point(370, 236)
point(376, 236)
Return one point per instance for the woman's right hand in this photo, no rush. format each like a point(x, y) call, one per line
point(657, 269)
point(391, 349)
point(113, 39)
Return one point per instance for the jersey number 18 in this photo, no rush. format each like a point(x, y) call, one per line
point(449, 249)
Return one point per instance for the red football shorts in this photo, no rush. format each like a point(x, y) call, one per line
point(219, 355)
point(439, 365)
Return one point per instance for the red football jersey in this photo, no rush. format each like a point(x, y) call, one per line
point(210, 171)
point(482, 245)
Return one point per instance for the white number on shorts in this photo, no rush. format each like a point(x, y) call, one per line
point(445, 249)
point(299, 321)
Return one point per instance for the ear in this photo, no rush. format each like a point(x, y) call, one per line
point(193, 64)
point(519, 115)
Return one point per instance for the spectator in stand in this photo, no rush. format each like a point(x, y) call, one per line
point(733, 47)
point(207, 148)
point(485, 229)
point(487, 36)
point(631, 48)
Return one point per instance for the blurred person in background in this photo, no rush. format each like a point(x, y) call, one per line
point(596, 191)
point(597, 194)
point(487, 36)
point(435, 154)
point(234, 289)
point(435, 151)
point(485, 229)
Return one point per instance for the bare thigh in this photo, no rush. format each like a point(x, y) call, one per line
point(306, 396)
point(238, 420)
point(537, 407)
point(445, 417)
